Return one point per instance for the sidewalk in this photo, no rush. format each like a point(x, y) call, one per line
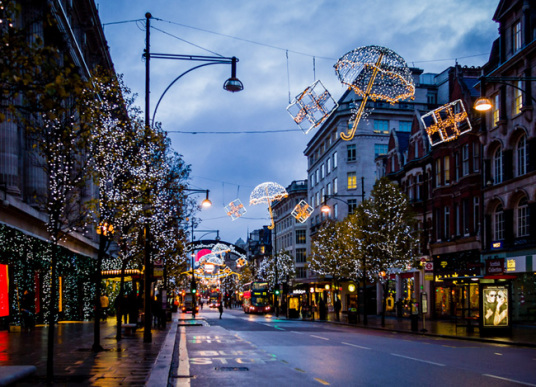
point(127, 362)
point(522, 334)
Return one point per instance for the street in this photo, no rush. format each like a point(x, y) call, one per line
point(259, 350)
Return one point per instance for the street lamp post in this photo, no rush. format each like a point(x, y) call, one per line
point(483, 104)
point(232, 85)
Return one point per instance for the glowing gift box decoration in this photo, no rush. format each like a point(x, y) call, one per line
point(235, 209)
point(312, 107)
point(302, 211)
point(446, 123)
point(241, 262)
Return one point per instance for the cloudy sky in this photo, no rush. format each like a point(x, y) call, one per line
point(236, 141)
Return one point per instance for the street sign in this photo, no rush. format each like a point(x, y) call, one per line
point(429, 266)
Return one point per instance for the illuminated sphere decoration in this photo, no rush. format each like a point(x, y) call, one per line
point(312, 107)
point(377, 73)
point(267, 193)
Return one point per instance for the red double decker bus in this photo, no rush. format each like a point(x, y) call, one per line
point(256, 298)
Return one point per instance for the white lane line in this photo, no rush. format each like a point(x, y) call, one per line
point(299, 333)
point(509, 380)
point(423, 361)
point(357, 346)
point(319, 337)
point(183, 370)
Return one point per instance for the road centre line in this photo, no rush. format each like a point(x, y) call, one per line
point(509, 380)
point(320, 337)
point(354, 345)
point(423, 361)
point(322, 381)
point(299, 333)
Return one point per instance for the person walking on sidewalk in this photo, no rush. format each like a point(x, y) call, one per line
point(105, 304)
point(220, 308)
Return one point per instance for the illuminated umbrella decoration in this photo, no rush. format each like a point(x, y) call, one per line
point(267, 193)
point(377, 73)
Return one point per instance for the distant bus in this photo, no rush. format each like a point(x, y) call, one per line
point(256, 298)
point(188, 303)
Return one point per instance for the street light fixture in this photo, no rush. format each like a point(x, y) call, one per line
point(484, 104)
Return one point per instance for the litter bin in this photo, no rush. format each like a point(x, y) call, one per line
point(352, 316)
point(414, 322)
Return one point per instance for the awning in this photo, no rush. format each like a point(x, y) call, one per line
point(501, 276)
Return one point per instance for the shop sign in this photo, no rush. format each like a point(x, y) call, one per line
point(519, 264)
point(298, 291)
point(428, 266)
point(495, 266)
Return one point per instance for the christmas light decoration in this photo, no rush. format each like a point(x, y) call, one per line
point(302, 211)
point(312, 107)
point(377, 73)
point(241, 262)
point(446, 123)
point(235, 209)
point(267, 193)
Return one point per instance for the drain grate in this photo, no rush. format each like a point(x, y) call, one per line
point(231, 368)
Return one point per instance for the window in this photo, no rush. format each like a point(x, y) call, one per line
point(456, 166)
point(334, 160)
point(522, 159)
point(476, 214)
point(498, 224)
point(523, 218)
point(438, 173)
point(476, 157)
point(335, 210)
point(352, 180)
point(498, 166)
point(335, 187)
point(328, 186)
point(317, 196)
point(518, 99)
point(380, 149)
point(438, 223)
point(323, 195)
point(301, 256)
point(317, 176)
point(411, 188)
point(446, 223)
point(352, 206)
point(312, 179)
point(404, 126)
point(381, 125)
point(465, 160)
point(495, 109)
point(351, 152)
point(328, 165)
point(322, 171)
point(446, 167)
point(301, 272)
point(516, 37)
point(457, 219)
point(465, 217)
point(300, 237)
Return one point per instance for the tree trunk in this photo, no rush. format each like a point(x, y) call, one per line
point(52, 312)
point(384, 300)
point(98, 310)
point(119, 306)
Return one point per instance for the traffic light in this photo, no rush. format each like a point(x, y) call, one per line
point(194, 290)
point(277, 292)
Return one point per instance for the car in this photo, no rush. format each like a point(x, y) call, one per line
point(214, 304)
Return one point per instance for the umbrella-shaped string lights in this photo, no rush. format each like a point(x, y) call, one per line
point(377, 73)
point(267, 193)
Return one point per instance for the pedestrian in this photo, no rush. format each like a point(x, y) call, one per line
point(220, 308)
point(337, 307)
point(399, 308)
point(27, 309)
point(201, 304)
point(105, 304)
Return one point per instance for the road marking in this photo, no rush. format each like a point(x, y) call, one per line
point(319, 337)
point(299, 370)
point(354, 345)
point(299, 333)
point(184, 364)
point(509, 380)
point(322, 381)
point(423, 361)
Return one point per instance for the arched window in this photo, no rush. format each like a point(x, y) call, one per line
point(498, 166)
point(523, 218)
point(498, 224)
point(521, 153)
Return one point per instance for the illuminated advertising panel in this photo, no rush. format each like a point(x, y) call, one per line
point(495, 306)
point(4, 291)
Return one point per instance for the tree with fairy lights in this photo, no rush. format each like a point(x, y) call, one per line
point(389, 234)
point(285, 269)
